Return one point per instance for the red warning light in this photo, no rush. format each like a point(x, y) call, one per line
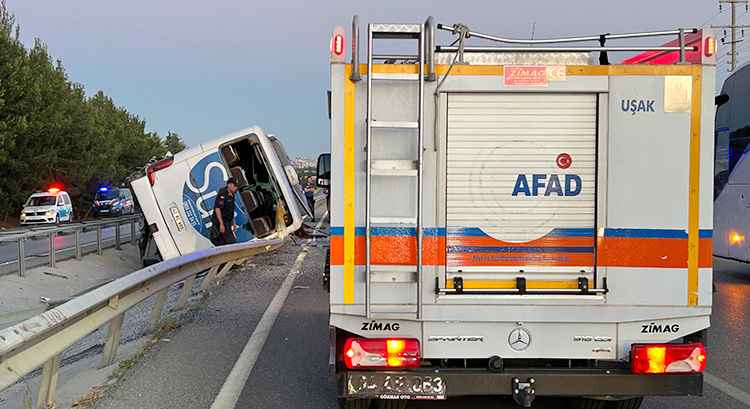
point(54, 190)
point(710, 46)
point(338, 44)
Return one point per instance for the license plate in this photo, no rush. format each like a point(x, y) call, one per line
point(177, 218)
point(104, 211)
point(385, 386)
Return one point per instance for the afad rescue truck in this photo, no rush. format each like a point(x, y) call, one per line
point(517, 220)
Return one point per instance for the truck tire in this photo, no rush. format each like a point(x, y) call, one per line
point(354, 403)
point(585, 403)
point(632, 403)
point(391, 404)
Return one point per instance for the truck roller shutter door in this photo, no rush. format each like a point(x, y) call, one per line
point(521, 183)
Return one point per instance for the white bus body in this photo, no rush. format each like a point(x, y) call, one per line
point(177, 193)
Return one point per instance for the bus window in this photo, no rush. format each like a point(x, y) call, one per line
point(739, 117)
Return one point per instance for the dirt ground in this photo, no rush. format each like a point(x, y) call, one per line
point(9, 222)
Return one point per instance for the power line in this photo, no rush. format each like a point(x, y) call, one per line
point(734, 26)
point(709, 20)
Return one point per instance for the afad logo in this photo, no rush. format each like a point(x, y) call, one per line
point(548, 185)
point(199, 195)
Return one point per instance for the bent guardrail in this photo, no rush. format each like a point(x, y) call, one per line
point(52, 232)
point(41, 340)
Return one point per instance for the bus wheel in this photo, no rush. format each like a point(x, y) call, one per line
point(585, 403)
point(354, 403)
point(391, 404)
point(632, 403)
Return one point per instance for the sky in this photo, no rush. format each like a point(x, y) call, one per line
point(204, 69)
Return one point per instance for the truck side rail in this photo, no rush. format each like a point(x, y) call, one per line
point(42, 339)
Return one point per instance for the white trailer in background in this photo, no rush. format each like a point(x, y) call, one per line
point(519, 220)
point(177, 193)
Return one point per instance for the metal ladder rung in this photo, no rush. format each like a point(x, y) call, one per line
point(393, 220)
point(394, 77)
point(394, 57)
point(395, 29)
point(393, 168)
point(384, 268)
point(395, 124)
point(394, 172)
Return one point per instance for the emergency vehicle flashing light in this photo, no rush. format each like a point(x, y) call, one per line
point(103, 189)
point(710, 46)
point(54, 190)
point(158, 165)
point(381, 353)
point(667, 358)
point(736, 237)
point(338, 44)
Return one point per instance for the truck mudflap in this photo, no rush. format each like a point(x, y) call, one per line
point(522, 384)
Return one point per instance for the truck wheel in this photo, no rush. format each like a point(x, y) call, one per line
point(354, 404)
point(585, 403)
point(632, 403)
point(391, 404)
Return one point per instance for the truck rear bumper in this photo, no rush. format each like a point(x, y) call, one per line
point(602, 383)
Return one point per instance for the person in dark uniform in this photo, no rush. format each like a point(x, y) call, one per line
point(223, 224)
point(309, 190)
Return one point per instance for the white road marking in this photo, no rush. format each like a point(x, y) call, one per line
point(728, 389)
point(235, 382)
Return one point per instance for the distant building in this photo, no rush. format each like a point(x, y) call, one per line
point(304, 163)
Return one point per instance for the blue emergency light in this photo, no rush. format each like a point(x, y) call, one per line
point(103, 189)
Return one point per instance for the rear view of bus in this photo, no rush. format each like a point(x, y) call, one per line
point(177, 193)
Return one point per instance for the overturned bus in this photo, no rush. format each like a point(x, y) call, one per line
point(176, 194)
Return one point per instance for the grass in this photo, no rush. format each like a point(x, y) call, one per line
point(89, 398)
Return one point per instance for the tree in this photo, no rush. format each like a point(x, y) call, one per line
point(173, 143)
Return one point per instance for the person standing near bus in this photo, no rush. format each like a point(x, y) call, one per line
point(223, 224)
point(309, 190)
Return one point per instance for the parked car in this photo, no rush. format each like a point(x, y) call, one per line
point(51, 206)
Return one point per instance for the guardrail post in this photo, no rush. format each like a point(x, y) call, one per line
point(113, 339)
point(52, 237)
point(187, 288)
point(159, 300)
point(21, 257)
point(132, 232)
point(48, 382)
point(117, 236)
point(99, 239)
point(224, 271)
point(209, 277)
point(78, 243)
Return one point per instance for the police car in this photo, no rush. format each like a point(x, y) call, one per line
point(109, 201)
point(52, 206)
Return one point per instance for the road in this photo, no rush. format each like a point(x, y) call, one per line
point(189, 366)
point(37, 250)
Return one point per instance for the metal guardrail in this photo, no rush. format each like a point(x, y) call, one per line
point(42, 339)
point(52, 232)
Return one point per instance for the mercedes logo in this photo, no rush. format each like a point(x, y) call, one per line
point(519, 339)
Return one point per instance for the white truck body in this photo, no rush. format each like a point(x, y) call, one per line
point(560, 204)
point(177, 202)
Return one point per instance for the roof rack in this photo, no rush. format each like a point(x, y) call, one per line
point(464, 33)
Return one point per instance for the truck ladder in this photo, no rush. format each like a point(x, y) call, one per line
point(394, 168)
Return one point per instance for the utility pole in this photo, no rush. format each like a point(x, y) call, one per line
point(734, 28)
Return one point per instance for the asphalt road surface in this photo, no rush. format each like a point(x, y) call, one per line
point(188, 367)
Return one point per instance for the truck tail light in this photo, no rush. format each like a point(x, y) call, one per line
point(710, 46)
point(338, 44)
point(667, 358)
point(158, 165)
point(379, 353)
